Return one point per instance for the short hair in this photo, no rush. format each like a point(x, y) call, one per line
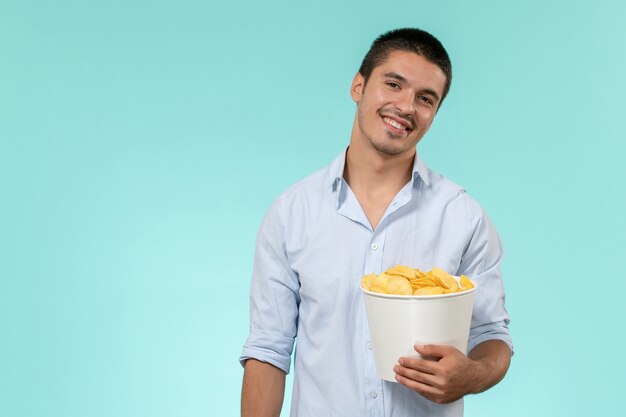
point(411, 40)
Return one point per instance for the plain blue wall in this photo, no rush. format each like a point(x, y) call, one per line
point(142, 141)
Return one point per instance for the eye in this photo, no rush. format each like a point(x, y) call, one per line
point(392, 84)
point(426, 100)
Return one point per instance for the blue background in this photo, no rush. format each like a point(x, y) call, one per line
point(142, 141)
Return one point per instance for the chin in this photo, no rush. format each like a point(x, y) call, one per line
point(390, 151)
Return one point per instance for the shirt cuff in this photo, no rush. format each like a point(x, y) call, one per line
point(501, 334)
point(271, 348)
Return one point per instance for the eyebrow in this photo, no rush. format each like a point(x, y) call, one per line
point(399, 77)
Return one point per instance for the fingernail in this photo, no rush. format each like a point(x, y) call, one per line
point(419, 346)
point(401, 361)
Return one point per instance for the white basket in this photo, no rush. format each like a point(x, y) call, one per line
point(398, 322)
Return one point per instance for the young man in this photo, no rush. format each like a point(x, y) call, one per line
point(375, 206)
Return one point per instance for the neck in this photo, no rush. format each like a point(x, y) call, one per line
point(376, 178)
point(368, 169)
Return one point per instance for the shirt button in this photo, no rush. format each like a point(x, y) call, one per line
point(373, 394)
point(369, 345)
point(374, 246)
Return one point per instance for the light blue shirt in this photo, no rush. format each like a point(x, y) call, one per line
point(315, 244)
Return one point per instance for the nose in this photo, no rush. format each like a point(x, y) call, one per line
point(405, 103)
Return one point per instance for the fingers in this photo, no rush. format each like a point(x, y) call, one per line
point(417, 375)
point(427, 391)
point(441, 379)
point(436, 351)
point(431, 387)
point(420, 365)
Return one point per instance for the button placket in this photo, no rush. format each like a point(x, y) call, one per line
point(374, 254)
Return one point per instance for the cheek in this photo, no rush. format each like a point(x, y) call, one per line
point(367, 111)
point(426, 116)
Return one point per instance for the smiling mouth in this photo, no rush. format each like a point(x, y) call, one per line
point(395, 125)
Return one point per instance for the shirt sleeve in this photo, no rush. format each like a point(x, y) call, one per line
point(481, 262)
point(274, 297)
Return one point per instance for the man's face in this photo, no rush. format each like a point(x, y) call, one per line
point(398, 104)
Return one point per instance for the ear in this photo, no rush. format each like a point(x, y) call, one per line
point(356, 89)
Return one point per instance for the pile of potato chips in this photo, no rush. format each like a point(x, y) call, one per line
point(403, 280)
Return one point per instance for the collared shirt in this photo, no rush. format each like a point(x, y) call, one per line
point(314, 245)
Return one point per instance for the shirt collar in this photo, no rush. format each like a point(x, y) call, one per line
point(336, 170)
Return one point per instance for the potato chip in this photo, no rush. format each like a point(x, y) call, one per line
point(399, 285)
point(466, 283)
point(429, 291)
point(403, 271)
point(380, 283)
point(402, 280)
point(366, 282)
point(422, 282)
point(444, 279)
point(438, 272)
point(419, 274)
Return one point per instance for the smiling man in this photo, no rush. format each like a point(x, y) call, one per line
point(376, 205)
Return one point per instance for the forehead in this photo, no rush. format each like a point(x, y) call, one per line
point(417, 70)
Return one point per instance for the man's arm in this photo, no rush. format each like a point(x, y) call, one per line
point(263, 390)
point(274, 299)
point(494, 358)
point(448, 374)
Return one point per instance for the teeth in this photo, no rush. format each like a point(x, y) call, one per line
point(394, 123)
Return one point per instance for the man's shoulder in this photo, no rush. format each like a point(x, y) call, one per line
point(314, 182)
point(308, 192)
point(317, 183)
point(449, 191)
point(310, 187)
point(442, 183)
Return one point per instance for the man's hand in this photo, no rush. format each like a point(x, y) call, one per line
point(445, 374)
